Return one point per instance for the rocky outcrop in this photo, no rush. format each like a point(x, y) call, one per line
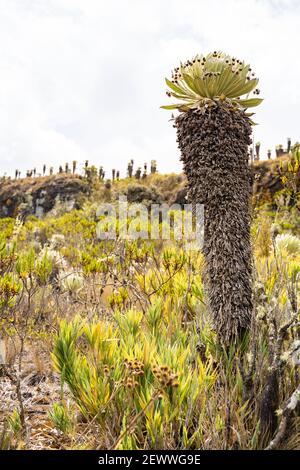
point(38, 196)
point(267, 178)
point(180, 196)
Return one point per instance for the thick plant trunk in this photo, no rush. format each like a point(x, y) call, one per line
point(214, 151)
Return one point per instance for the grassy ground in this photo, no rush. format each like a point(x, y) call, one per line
point(110, 345)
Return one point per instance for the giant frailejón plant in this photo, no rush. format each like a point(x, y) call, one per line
point(213, 95)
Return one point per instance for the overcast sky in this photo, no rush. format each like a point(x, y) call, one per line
point(84, 79)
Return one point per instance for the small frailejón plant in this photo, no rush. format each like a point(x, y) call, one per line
point(213, 131)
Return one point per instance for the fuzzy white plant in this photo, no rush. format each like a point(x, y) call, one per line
point(288, 243)
point(57, 260)
point(57, 241)
point(71, 281)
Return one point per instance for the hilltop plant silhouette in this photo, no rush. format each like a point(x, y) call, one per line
point(257, 151)
point(153, 167)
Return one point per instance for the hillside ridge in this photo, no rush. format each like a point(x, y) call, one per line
point(41, 194)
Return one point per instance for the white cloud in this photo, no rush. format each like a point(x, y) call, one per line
point(84, 79)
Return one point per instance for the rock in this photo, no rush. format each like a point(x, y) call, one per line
point(180, 197)
point(138, 193)
point(38, 196)
point(267, 180)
